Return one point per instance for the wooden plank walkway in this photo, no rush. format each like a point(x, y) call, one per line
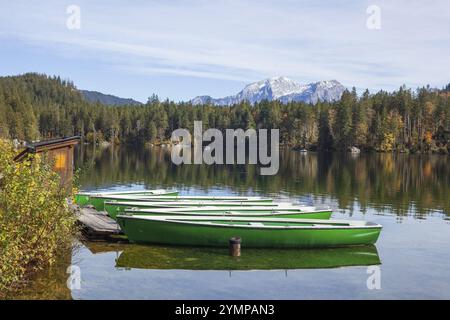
point(95, 224)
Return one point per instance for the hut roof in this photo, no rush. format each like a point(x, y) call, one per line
point(43, 146)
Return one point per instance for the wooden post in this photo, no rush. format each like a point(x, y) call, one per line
point(235, 247)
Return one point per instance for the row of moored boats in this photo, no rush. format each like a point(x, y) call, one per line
point(164, 217)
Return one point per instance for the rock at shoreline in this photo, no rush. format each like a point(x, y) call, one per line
point(354, 149)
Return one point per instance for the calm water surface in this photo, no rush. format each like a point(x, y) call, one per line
point(407, 194)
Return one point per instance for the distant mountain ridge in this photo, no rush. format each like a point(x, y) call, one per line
point(280, 88)
point(108, 99)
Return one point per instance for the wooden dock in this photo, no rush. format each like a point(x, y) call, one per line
point(95, 224)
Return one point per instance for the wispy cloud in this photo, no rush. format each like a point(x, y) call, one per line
point(247, 40)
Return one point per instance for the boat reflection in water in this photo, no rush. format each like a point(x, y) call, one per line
point(191, 258)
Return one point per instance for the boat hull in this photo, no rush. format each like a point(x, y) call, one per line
point(113, 209)
point(263, 214)
point(158, 231)
point(82, 199)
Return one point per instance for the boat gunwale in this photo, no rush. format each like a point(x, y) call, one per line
point(286, 209)
point(177, 197)
point(228, 214)
point(156, 192)
point(204, 221)
point(209, 203)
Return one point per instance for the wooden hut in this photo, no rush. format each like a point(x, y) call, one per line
point(59, 151)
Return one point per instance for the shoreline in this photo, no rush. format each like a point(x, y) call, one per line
point(283, 146)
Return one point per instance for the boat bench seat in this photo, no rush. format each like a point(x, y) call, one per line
point(256, 224)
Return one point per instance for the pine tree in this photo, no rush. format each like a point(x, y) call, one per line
point(325, 137)
point(343, 125)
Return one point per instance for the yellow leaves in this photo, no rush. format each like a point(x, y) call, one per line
point(361, 134)
point(41, 199)
point(34, 218)
point(429, 108)
point(388, 142)
point(428, 137)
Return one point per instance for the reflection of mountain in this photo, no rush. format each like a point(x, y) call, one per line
point(397, 182)
point(159, 257)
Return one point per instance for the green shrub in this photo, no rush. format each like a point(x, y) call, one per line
point(35, 221)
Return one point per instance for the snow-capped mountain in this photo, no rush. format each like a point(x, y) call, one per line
point(282, 89)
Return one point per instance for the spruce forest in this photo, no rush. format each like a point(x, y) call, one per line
point(35, 106)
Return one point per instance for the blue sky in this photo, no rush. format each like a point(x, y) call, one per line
point(181, 49)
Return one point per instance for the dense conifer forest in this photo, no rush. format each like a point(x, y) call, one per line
point(35, 106)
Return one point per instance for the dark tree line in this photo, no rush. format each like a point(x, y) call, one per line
point(34, 106)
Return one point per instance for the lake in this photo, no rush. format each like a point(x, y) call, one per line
point(407, 194)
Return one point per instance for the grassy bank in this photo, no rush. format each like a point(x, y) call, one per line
point(35, 221)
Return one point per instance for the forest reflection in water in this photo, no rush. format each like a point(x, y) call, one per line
point(401, 183)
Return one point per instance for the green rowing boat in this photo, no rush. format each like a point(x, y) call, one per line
point(255, 212)
point(254, 232)
point(234, 212)
point(98, 201)
point(117, 207)
point(170, 198)
point(84, 198)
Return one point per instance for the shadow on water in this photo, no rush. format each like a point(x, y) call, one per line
point(134, 256)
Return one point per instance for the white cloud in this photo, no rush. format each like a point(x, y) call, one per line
point(248, 40)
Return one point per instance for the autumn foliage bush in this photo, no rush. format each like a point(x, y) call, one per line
point(35, 221)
